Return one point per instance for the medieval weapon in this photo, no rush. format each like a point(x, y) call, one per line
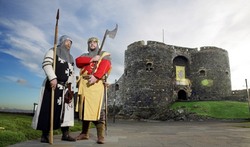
point(112, 35)
point(52, 91)
point(114, 107)
point(106, 102)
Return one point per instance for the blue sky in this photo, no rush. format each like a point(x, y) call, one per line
point(27, 32)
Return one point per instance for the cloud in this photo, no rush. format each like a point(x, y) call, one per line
point(21, 81)
point(194, 23)
point(16, 80)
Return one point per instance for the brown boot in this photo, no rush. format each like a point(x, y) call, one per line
point(100, 133)
point(85, 131)
point(82, 137)
point(100, 140)
point(67, 137)
point(65, 134)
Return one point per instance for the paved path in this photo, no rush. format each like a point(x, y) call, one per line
point(162, 134)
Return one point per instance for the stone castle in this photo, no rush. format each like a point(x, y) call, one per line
point(156, 75)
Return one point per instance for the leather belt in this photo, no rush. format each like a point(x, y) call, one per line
point(65, 84)
point(86, 77)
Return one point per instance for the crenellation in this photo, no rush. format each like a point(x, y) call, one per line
point(211, 49)
point(156, 44)
point(136, 45)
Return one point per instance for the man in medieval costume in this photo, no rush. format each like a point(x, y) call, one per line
point(60, 80)
point(94, 68)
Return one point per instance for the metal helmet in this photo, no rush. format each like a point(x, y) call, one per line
point(63, 38)
point(93, 39)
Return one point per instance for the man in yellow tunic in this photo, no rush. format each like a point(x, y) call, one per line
point(93, 67)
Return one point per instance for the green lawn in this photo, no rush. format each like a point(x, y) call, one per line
point(16, 128)
point(216, 109)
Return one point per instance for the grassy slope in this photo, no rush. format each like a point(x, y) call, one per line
point(216, 109)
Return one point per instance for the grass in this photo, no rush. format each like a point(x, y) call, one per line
point(216, 109)
point(16, 128)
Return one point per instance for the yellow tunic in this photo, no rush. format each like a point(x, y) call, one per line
point(91, 96)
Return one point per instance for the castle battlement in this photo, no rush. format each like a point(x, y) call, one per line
point(212, 49)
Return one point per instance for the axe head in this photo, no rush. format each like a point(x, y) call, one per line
point(112, 33)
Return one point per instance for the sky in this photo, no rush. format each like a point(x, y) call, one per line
point(27, 30)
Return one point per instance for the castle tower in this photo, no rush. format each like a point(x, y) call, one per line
point(210, 74)
point(147, 75)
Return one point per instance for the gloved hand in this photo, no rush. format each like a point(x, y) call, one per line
point(92, 79)
point(68, 95)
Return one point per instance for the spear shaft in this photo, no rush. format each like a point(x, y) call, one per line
point(52, 90)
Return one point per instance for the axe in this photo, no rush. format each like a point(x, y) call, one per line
point(112, 35)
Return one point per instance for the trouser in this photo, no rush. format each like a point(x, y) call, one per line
point(99, 124)
point(65, 131)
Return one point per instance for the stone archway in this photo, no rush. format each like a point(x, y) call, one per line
point(182, 95)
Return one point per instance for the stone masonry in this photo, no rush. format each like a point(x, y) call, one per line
point(156, 75)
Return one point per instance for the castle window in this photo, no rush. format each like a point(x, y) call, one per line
point(202, 73)
point(149, 66)
point(116, 87)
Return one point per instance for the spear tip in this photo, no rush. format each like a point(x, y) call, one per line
point(57, 15)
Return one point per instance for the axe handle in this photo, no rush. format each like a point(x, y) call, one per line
point(103, 40)
point(106, 104)
point(99, 51)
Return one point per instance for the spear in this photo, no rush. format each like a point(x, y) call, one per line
point(53, 91)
